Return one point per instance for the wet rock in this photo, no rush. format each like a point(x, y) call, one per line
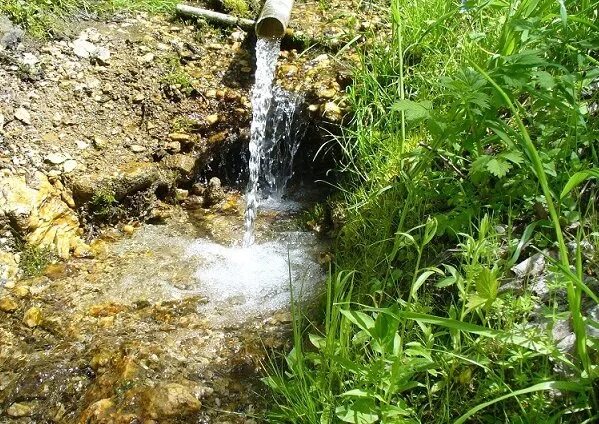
point(127, 179)
point(214, 192)
point(185, 165)
point(332, 112)
point(19, 410)
point(198, 189)
point(33, 317)
point(172, 399)
point(23, 115)
point(106, 309)
point(99, 412)
point(8, 304)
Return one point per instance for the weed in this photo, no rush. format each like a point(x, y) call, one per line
point(237, 7)
point(176, 76)
point(34, 260)
point(469, 123)
point(103, 204)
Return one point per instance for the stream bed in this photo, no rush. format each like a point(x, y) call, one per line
point(171, 323)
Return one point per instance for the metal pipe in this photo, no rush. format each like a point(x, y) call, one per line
point(274, 18)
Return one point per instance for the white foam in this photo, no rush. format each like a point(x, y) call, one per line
point(257, 279)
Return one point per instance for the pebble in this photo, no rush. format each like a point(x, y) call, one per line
point(136, 148)
point(179, 137)
point(8, 304)
point(23, 115)
point(69, 165)
point(33, 317)
point(56, 158)
point(147, 58)
point(212, 119)
point(128, 229)
point(19, 410)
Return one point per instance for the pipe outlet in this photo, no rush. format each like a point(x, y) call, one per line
point(274, 18)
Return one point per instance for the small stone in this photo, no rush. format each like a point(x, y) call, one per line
point(211, 94)
point(69, 165)
point(328, 93)
point(51, 138)
point(198, 189)
point(181, 194)
point(173, 146)
point(218, 137)
point(214, 192)
point(102, 54)
point(56, 158)
point(81, 145)
point(8, 304)
point(99, 142)
point(179, 137)
point(128, 229)
point(19, 410)
point(139, 97)
point(147, 58)
point(313, 108)
point(136, 148)
point(289, 70)
point(331, 111)
point(23, 115)
point(212, 119)
point(33, 317)
point(83, 48)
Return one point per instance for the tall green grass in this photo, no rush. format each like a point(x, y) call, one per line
point(471, 148)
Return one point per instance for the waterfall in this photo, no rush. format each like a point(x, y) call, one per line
point(267, 52)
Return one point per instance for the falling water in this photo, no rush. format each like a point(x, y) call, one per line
point(285, 131)
point(267, 51)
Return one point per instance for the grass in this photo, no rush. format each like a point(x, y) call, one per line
point(34, 260)
point(470, 150)
point(46, 18)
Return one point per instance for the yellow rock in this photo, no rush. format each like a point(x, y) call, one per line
point(212, 119)
point(33, 317)
point(8, 304)
point(128, 229)
point(21, 291)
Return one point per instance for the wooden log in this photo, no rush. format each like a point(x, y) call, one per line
point(212, 16)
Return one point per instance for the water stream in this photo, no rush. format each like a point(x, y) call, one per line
point(267, 52)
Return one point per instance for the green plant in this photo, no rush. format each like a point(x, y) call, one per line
point(103, 204)
point(471, 148)
point(34, 260)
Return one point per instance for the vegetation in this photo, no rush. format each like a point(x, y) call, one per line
point(45, 18)
point(103, 205)
point(473, 146)
point(34, 260)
